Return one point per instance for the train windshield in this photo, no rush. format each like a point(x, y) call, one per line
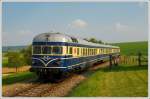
point(47, 50)
point(37, 50)
point(57, 50)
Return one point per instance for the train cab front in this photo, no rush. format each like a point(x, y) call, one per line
point(47, 58)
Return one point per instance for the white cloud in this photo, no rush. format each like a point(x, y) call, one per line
point(121, 27)
point(79, 23)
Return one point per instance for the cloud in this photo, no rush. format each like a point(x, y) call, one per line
point(121, 27)
point(78, 23)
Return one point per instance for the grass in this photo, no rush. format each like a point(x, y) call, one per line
point(121, 81)
point(17, 77)
point(132, 48)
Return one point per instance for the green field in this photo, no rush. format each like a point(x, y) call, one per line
point(17, 77)
point(132, 48)
point(121, 81)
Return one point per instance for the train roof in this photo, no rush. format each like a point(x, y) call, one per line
point(59, 37)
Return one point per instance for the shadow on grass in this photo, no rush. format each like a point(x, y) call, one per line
point(18, 77)
point(119, 68)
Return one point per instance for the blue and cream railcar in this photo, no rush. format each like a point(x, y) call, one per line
point(54, 53)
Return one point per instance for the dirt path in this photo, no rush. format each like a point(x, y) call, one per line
point(37, 89)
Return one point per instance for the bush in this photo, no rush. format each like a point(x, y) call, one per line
point(27, 54)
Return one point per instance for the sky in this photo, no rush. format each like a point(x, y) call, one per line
point(111, 22)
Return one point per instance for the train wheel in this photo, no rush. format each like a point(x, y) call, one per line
point(55, 78)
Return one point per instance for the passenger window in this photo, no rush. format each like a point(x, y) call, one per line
point(77, 51)
point(88, 51)
point(93, 51)
point(84, 51)
point(67, 50)
point(81, 51)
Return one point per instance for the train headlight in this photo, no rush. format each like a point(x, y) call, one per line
point(33, 62)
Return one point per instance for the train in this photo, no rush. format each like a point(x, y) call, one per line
point(57, 54)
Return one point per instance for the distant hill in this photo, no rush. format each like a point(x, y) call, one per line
point(132, 48)
point(12, 48)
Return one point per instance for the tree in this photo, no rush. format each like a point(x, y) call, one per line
point(27, 54)
point(86, 39)
point(100, 42)
point(93, 40)
point(14, 59)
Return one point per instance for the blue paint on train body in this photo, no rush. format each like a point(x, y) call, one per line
point(66, 63)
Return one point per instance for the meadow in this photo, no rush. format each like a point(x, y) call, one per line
point(121, 81)
point(133, 48)
point(125, 80)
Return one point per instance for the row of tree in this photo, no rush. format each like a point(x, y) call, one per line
point(19, 58)
point(93, 40)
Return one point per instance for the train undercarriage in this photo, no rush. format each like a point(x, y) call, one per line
point(53, 75)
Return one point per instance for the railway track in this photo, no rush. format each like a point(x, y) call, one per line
point(13, 90)
point(36, 88)
point(35, 91)
point(52, 89)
